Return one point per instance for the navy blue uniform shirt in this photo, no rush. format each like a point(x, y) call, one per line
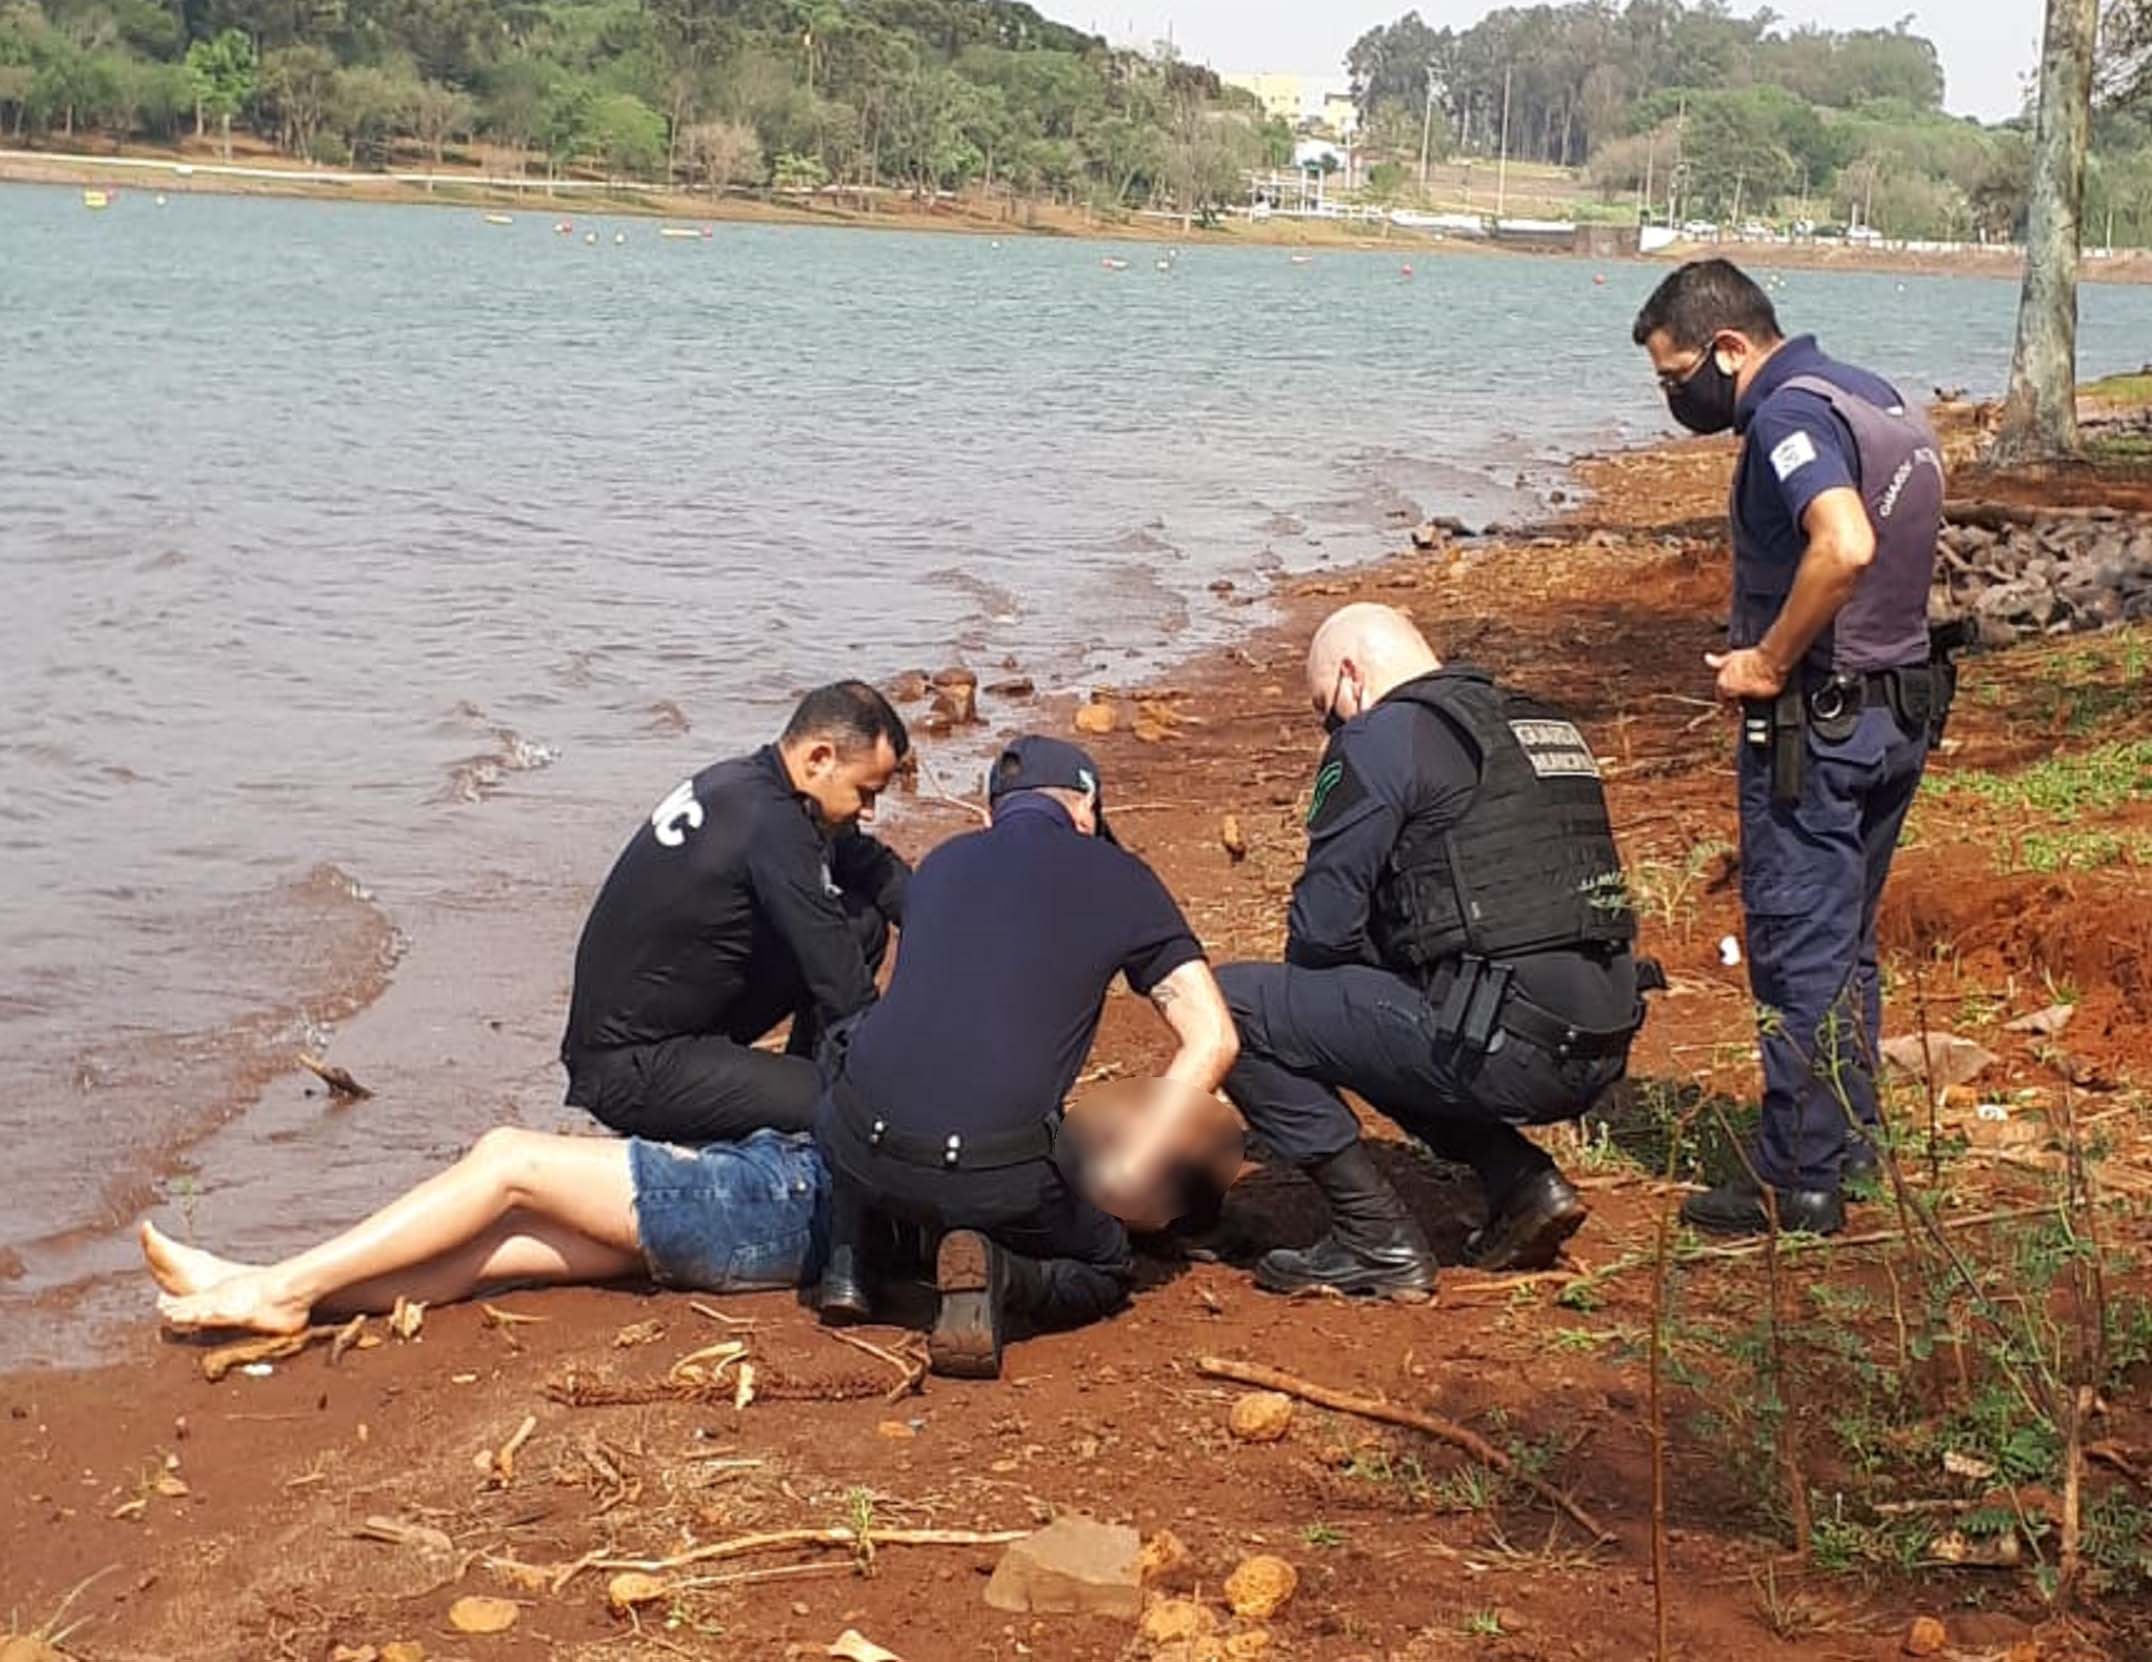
point(1396, 764)
point(1796, 449)
point(1011, 938)
point(730, 878)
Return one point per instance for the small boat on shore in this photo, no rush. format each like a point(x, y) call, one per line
point(98, 198)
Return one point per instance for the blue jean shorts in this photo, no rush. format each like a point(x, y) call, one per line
point(731, 1217)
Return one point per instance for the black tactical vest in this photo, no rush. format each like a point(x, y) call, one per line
point(1531, 867)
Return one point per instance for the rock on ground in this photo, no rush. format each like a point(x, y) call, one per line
point(1072, 1567)
point(1261, 1587)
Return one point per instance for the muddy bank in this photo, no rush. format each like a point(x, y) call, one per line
point(229, 1519)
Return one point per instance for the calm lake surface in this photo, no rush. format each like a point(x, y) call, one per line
point(370, 570)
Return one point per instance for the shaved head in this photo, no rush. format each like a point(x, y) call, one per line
point(1361, 654)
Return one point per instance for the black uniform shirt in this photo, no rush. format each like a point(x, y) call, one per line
point(1012, 937)
point(1388, 767)
point(731, 878)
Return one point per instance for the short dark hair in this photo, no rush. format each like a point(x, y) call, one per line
point(1703, 298)
point(850, 714)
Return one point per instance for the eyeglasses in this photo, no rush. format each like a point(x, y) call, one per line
point(1673, 380)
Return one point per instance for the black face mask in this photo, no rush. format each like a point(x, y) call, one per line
point(1332, 721)
point(1706, 402)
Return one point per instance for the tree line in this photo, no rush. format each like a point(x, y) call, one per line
point(926, 95)
point(1695, 111)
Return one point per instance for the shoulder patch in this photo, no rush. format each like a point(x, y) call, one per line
point(1337, 789)
point(1794, 453)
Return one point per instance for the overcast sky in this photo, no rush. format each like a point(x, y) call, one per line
point(1987, 45)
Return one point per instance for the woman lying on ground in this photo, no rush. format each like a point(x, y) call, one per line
point(532, 1207)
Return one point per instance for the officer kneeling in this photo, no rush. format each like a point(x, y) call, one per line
point(945, 1110)
point(1457, 953)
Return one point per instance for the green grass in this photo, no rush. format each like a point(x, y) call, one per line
point(2060, 788)
point(2048, 852)
point(2122, 389)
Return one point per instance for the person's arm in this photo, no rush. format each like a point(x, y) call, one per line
point(785, 865)
point(867, 866)
point(1807, 454)
point(1194, 1007)
point(1351, 831)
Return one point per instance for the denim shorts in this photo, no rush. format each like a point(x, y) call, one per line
point(731, 1217)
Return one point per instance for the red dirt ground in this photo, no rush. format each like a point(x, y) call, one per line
point(252, 1552)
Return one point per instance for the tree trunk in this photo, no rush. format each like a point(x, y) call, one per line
point(2039, 421)
point(197, 118)
point(225, 132)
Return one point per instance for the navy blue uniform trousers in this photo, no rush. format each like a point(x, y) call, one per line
point(1307, 1033)
point(1812, 875)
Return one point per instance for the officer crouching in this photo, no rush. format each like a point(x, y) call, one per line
point(1457, 953)
point(1837, 506)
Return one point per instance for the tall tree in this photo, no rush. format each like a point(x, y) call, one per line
point(224, 74)
point(2039, 421)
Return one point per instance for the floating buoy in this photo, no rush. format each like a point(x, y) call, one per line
point(97, 198)
point(619, 237)
point(1165, 265)
point(500, 219)
point(563, 227)
point(677, 231)
point(160, 199)
point(707, 231)
point(1303, 259)
point(1112, 264)
point(1404, 270)
point(1599, 280)
point(590, 239)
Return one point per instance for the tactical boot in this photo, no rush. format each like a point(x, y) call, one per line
point(1527, 1231)
point(971, 1277)
point(1737, 1208)
point(1374, 1246)
point(843, 1298)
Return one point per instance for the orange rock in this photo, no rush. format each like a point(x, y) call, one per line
point(1164, 1554)
point(1261, 1416)
point(1174, 1621)
point(482, 1615)
point(1925, 1637)
point(1096, 718)
point(1261, 1587)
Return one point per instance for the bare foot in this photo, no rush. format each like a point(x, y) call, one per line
point(184, 1269)
point(247, 1301)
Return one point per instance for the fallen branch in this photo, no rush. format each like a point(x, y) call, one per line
point(853, 1539)
point(1371, 1408)
point(911, 1368)
point(215, 1364)
point(339, 1082)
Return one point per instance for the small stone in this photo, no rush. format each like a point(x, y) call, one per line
point(631, 1588)
point(1232, 839)
point(957, 704)
point(1947, 1059)
point(1925, 1637)
point(1171, 1621)
point(342, 1653)
point(1164, 1554)
point(1097, 718)
point(896, 1431)
point(908, 688)
point(403, 1650)
point(1261, 1416)
point(1242, 1647)
point(1261, 1587)
point(2048, 1023)
point(1020, 686)
point(1072, 1567)
point(482, 1615)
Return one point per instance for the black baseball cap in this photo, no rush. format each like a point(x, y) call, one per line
point(1037, 763)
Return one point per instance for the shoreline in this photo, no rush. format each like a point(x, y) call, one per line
point(139, 169)
point(272, 1471)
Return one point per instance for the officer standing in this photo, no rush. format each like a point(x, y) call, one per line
point(1457, 953)
point(749, 895)
point(1837, 507)
point(946, 1110)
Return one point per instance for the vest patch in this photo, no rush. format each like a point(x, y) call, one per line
point(1793, 454)
point(1556, 749)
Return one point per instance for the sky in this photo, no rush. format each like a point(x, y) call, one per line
point(1987, 45)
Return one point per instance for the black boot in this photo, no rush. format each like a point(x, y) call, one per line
point(971, 1275)
point(843, 1297)
point(1527, 1231)
point(1374, 1246)
point(1737, 1208)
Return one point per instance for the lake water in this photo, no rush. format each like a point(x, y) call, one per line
point(369, 570)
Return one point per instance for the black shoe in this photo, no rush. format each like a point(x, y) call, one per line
point(1862, 1163)
point(1373, 1245)
point(1737, 1209)
point(966, 1340)
point(843, 1299)
point(1527, 1233)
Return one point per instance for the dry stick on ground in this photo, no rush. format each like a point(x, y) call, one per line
point(778, 1540)
point(912, 1369)
point(339, 1082)
point(1662, 1262)
point(1374, 1408)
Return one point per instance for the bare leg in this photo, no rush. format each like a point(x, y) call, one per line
point(581, 1185)
point(520, 1248)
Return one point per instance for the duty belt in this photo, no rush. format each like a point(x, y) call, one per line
point(1481, 1005)
point(955, 1152)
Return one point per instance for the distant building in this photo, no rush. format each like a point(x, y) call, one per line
point(1282, 96)
point(1340, 114)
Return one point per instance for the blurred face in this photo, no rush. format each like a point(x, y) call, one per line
point(843, 785)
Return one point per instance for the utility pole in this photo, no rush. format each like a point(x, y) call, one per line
point(1501, 198)
point(1427, 127)
point(1644, 197)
